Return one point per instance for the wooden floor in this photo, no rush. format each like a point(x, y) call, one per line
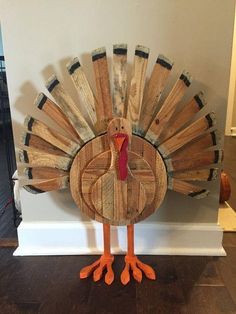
point(185, 285)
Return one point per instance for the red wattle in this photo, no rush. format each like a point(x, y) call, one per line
point(123, 161)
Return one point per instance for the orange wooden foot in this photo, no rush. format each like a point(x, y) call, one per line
point(134, 264)
point(97, 268)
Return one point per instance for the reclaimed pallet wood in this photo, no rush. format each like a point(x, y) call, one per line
point(51, 136)
point(84, 90)
point(188, 134)
point(119, 79)
point(104, 108)
point(184, 116)
point(44, 173)
point(137, 84)
point(41, 186)
point(160, 73)
point(196, 175)
point(71, 110)
point(42, 102)
point(37, 158)
point(187, 188)
point(168, 108)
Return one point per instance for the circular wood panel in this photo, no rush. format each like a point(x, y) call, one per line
point(92, 150)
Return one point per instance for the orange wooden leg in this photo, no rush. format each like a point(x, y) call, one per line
point(133, 263)
point(105, 261)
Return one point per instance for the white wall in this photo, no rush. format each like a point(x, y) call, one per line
point(1, 47)
point(41, 36)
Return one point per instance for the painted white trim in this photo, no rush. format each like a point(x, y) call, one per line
point(233, 131)
point(232, 81)
point(72, 238)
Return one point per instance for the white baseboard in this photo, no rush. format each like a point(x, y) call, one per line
point(233, 131)
point(72, 238)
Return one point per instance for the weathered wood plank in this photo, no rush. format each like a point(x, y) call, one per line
point(44, 173)
point(37, 158)
point(104, 108)
point(137, 86)
point(196, 175)
point(119, 79)
point(205, 141)
point(168, 108)
point(51, 136)
point(186, 188)
point(41, 186)
point(84, 90)
point(56, 114)
point(188, 134)
point(199, 160)
point(71, 110)
point(181, 118)
point(34, 141)
point(160, 73)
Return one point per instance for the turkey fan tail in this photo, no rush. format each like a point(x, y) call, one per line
point(49, 135)
point(197, 161)
point(104, 99)
point(44, 173)
point(56, 114)
point(186, 188)
point(84, 90)
point(160, 73)
point(191, 132)
point(119, 79)
point(70, 109)
point(136, 89)
point(46, 185)
point(196, 175)
point(183, 117)
point(168, 108)
point(39, 158)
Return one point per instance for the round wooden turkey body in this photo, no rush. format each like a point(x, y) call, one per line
point(145, 167)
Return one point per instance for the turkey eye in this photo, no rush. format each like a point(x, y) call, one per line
point(116, 129)
point(122, 127)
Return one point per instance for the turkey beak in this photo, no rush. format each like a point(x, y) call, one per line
point(119, 140)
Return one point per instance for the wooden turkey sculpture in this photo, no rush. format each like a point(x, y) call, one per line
point(120, 159)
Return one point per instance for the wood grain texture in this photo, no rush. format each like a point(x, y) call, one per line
point(203, 142)
point(186, 188)
point(136, 89)
point(196, 175)
point(104, 108)
point(70, 109)
point(37, 158)
point(34, 141)
point(44, 173)
point(183, 116)
point(119, 79)
point(188, 134)
point(56, 114)
point(160, 73)
point(168, 108)
point(84, 90)
point(199, 160)
point(100, 145)
point(51, 136)
point(46, 185)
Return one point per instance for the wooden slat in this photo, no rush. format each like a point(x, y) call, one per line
point(37, 158)
point(137, 86)
point(44, 173)
point(56, 114)
point(205, 141)
point(34, 141)
point(196, 161)
point(119, 79)
point(186, 188)
point(84, 90)
point(168, 108)
point(196, 175)
point(188, 134)
point(104, 109)
point(155, 86)
point(185, 115)
point(51, 136)
point(70, 109)
point(41, 186)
